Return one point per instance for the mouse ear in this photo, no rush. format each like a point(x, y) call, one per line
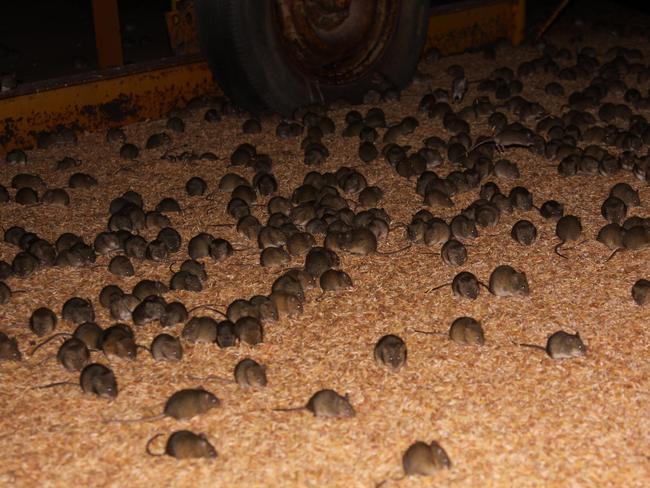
point(578, 334)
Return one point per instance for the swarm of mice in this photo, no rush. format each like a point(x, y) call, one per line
point(334, 213)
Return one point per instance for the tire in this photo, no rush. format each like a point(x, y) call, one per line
point(250, 60)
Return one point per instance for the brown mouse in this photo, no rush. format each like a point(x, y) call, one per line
point(326, 403)
point(200, 329)
point(562, 345)
point(453, 253)
point(274, 257)
point(422, 459)
point(166, 347)
point(390, 351)
point(96, 379)
point(463, 330)
point(118, 341)
point(464, 285)
point(9, 348)
point(641, 292)
point(42, 321)
point(248, 374)
point(524, 232)
point(505, 281)
point(249, 330)
point(568, 228)
point(335, 280)
point(73, 354)
point(508, 137)
point(182, 405)
point(184, 444)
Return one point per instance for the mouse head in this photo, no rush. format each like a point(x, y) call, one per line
point(104, 385)
point(343, 406)
point(9, 350)
point(208, 400)
point(520, 284)
point(578, 348)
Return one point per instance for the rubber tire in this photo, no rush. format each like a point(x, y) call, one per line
point(240, 43)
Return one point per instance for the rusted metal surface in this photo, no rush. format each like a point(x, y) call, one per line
point(455, 27)
point(335, 40)
point(181, 26)
point(102, 99)
point(108, 40)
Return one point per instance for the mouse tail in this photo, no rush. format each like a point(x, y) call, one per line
point(531, 346)
point(613, 254)
point(437, 287)
point(210, 307)
point(408, 246)
point(133, 421)
point(209, 378)
point(148, 447)
point(49, 339)
point(484, 286)
point(557, 250)
point(396, 480)
point(52, 385)
point(291, 409)
point(427, 332)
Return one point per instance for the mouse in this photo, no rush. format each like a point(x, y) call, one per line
point(9, 348)
point(300, 243)
point(181, 405)
point(505, 281)
point(335, 280)
point(524, 232)
point(288, 284)
point(201, 330)
point(78, 310)
point(73, 354)
point(641, 292)
point(42, 321)
point(464, 285)
point(95, 378)
point(248, 374)
point(249, 330)
point(463, 228)
point(184, 444)
point(361, 242)
point(166, 347)
point(274, 257)
point(613, 210)
point(286, 304)
point(422, 459)
point(390, 352)
point(463, 330)
point(568, 228)
point(453, 253)
point(508, 137)
point(562, 345)
point(118, 341)
point(326, 403)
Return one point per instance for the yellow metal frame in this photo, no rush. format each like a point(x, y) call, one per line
point(128, 94)
point(455, 27)
point(111, 98)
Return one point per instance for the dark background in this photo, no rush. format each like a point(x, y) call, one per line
point(42, 39)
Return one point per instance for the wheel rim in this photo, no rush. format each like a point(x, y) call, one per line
point(334, 41)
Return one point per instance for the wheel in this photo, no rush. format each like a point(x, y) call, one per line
point(282, 54)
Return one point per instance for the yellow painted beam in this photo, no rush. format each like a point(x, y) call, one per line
point(99, 100)
point(455, 27)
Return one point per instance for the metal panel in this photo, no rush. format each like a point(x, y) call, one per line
point(102, 99)
point(457, 26)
